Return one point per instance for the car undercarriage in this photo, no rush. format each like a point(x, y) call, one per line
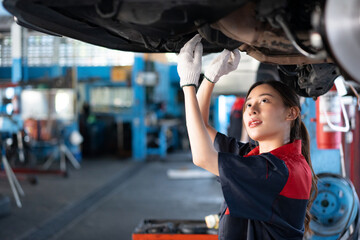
point(312, 42)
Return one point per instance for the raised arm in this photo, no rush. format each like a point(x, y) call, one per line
point(224, 63)
point(204, 98)
point(189, 67)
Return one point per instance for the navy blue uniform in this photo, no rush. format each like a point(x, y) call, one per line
point(265, 194)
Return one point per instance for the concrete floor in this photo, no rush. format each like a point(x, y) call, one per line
point(107, 199)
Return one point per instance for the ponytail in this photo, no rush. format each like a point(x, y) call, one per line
point(299, 131)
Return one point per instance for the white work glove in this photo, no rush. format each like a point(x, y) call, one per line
point(224, 63)
point(189, 62)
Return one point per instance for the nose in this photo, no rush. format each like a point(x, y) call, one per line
point(253, 110)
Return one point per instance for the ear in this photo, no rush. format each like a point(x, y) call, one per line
point(293, 113)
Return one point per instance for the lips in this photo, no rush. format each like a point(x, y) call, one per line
point(254, 123)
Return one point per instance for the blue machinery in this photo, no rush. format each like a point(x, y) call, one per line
point(20, 71)
point(137, 112)
point(166, 91)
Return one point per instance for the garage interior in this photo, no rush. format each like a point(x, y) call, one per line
point(94, 144)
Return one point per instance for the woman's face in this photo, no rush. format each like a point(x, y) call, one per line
point(265, 115)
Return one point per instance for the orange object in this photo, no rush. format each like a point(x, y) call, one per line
point(120, 73)
point(39, 130)
point(147, 236)
point(31, 127)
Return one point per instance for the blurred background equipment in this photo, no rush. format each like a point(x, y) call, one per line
point(47, 115)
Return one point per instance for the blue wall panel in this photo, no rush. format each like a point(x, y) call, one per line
point(5, 73)
point(104, 73)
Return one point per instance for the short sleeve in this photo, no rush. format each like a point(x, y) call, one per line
point(251, 184)
point(223, 143)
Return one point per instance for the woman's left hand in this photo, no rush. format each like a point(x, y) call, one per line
point(189, 62)
point(224, 63)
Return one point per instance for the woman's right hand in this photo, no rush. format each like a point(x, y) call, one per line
point(189, 62)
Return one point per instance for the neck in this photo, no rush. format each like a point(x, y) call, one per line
point(267, 146)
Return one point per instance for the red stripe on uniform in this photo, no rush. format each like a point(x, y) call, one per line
point(298, 185)
point(227, 212)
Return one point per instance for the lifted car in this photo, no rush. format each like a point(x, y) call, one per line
point(311, 41)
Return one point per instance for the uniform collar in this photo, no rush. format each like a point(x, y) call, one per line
point(294, 147)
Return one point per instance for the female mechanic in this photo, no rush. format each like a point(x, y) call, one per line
point(269, 189)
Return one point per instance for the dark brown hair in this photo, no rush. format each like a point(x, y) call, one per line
point(298, 131)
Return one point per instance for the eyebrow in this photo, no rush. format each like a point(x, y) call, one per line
point(264, 94)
